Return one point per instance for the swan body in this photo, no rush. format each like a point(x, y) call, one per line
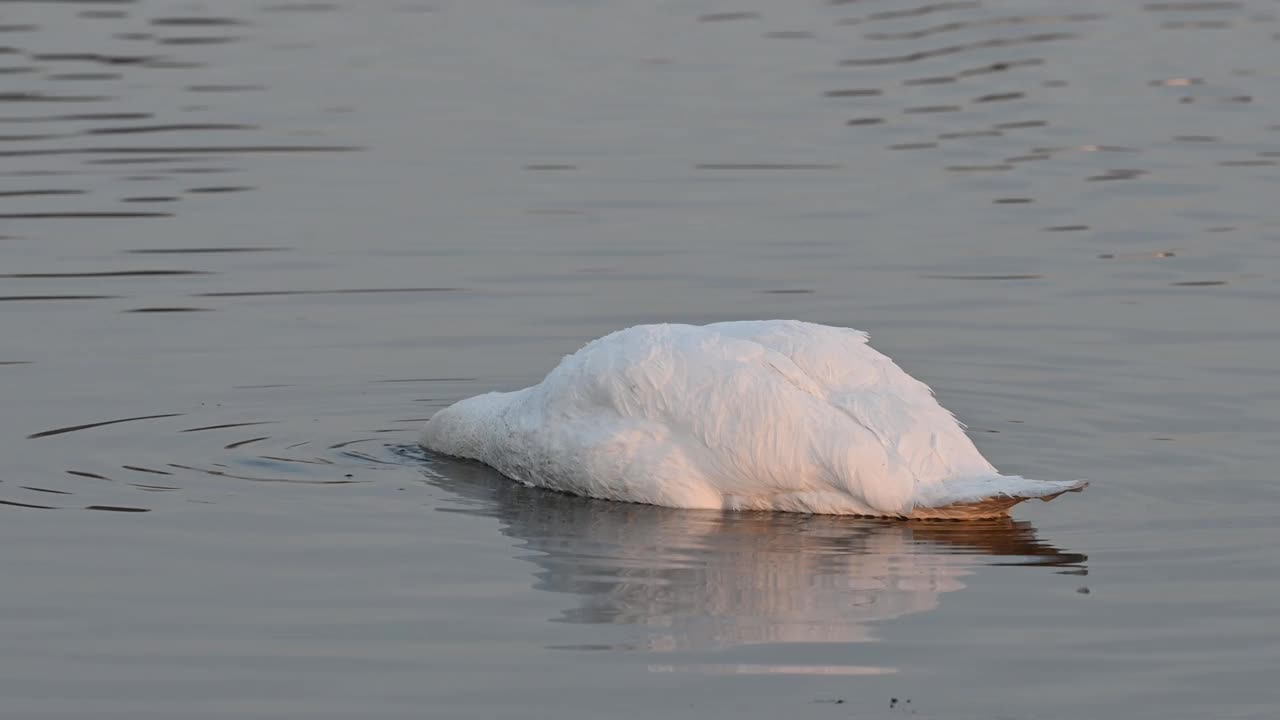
point(762, 415)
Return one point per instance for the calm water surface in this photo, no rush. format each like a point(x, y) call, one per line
point(248, 247)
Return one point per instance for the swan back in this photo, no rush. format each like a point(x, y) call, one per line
point(779, 415)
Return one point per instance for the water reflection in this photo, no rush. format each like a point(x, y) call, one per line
point(699, 580)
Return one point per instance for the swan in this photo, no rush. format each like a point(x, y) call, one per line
point(775, 415)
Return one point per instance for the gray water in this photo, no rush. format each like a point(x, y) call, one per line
point(246, 248)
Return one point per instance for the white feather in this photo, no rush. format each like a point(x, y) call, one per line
point(761, 415)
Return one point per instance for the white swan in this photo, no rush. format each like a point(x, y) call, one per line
point(763, 415)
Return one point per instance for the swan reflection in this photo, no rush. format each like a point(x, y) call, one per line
point(707, 580)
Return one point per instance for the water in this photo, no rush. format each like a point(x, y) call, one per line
point(285, 233)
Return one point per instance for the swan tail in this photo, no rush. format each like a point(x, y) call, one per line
point(988, 496)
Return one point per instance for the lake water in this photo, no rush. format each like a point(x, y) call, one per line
point(248, 247)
